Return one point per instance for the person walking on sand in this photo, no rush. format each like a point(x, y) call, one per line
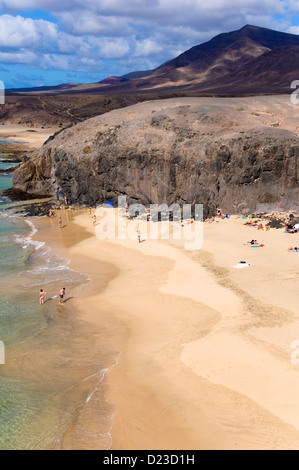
point(50, 213)
point(42, 297)
point(61, 295)
point(94, 220)
point(89, 212)
point(139, 236)
point(60, 222)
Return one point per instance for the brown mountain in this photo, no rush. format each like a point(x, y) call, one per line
point(251, 60)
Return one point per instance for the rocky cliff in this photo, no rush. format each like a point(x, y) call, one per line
point(241, 155)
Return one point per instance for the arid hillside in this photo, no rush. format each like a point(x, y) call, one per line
point(38, 110)
point(249, 61)
point(241, 154)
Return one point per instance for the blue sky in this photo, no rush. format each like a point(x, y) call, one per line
point(49, 42)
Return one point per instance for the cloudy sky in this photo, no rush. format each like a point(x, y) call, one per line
point(49, 42)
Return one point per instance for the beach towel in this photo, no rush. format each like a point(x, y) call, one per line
point(241, 265)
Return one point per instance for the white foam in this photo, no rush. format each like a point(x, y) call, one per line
point(26, 242)
point(34, 229)
point(48, 267)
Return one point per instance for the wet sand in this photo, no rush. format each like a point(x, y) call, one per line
point(204, 349)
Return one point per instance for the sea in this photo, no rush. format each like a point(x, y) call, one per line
point(52, 383)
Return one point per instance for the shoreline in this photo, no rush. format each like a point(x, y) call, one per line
point(24, 138)
point(165, 310)
point(149, 403)
point(203, 351)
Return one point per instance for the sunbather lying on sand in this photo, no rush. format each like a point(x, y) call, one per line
point(296, 248)
point(254, 244)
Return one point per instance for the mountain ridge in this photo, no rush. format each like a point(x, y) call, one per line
point(226, 55)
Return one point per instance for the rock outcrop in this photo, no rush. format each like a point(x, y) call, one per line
point(240, 154)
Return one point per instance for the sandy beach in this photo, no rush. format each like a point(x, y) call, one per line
point(30, 138)
point(204, 348)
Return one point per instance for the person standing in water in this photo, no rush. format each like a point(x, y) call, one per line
point(42, 297)
point(61, 295)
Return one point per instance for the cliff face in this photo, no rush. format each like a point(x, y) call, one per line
point(190, 150)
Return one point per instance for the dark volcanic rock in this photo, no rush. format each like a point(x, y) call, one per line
point(15, 194)
point(180, 150)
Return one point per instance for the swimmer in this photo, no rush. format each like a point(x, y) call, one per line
point(61, 295)
point(42, 297)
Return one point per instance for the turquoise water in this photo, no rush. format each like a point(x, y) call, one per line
point(5, 182)
point(5, 166)
point(54, 362)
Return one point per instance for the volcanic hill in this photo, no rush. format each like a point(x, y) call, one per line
point(239, 153)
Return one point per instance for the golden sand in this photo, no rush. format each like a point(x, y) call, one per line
point(32, 138)
point(205, 349)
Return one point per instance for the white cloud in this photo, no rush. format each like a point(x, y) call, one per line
point(94, 24)
point(293, 30)
point(16, 32)
point(294, 6)
point(21, 57)
point(110, 48)
point(41, 43)
point(147, 48)
point(131, 34)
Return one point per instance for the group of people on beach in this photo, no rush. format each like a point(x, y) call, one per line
point(291, 228)
point(259, 226)
point(220, 215)
point(61, 295)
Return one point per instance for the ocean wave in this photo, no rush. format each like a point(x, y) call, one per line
point(26, 242)
point(4, 200)
point(43, 266)
point(51, 268)
point(32, 226)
